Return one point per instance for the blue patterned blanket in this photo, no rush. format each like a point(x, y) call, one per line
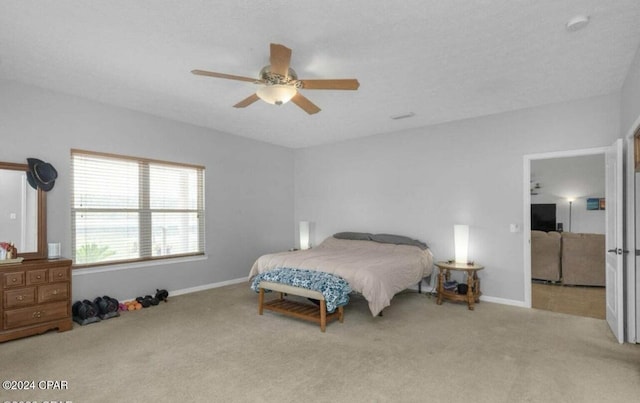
point(334, 289)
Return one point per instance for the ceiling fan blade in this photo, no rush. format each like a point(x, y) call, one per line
point(222, 75)
point(305, 104)
point(247, 101)
point(280, 59)
point(337, 84)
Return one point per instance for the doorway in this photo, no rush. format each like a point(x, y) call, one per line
point(567, 243)
point(614, 261)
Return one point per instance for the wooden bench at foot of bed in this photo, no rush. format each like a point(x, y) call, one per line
point(300, 310)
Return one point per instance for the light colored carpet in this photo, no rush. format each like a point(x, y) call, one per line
point(574, 300)
point(212, 346)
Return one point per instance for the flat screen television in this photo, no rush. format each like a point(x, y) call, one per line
point(543, 217)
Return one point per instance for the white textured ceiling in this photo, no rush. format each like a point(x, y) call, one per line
point(443, 60)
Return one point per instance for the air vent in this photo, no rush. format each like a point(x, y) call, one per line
point(403, 116)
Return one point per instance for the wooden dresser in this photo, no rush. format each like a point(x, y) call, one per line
point(36, 297)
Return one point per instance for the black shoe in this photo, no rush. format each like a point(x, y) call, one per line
point(152, 300)
point(162, 295)
point(144, 302)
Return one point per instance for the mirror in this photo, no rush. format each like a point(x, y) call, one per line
point(23, 212)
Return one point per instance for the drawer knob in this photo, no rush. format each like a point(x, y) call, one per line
point(59, 274)
point(38, 277)
point(20, 297)
point(37, 314)
point(14, 279)
point(55, 292)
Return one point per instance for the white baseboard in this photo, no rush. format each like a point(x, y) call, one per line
point(208, 286)
point(503, 301)
point(173, 293)
point(425, 290)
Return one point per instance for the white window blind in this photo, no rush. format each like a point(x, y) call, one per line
point(129, 209)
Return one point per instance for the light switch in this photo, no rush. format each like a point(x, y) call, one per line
point(514, 227)
point(12, 216)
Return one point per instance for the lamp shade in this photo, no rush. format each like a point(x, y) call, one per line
point(461, 242)
point(277, 94)
point(304, 235)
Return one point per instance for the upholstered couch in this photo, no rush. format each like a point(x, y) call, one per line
point(546, 250)
point(583, 259)
point(573, 258)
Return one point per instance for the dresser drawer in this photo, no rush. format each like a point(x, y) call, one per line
point(36, 276)
point(53, 292)
point(58, 274)
point(37, 314)
point(15, 279)
point(18, 298)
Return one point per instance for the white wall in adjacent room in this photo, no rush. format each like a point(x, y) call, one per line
point(421, 182)
point(248, 188)
point(582, 220)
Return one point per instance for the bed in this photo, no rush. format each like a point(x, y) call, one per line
point(378, 266)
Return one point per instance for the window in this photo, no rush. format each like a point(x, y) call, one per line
point(129, 209)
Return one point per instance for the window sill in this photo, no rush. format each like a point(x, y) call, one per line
point(135, 265)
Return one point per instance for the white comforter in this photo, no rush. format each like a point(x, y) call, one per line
point(376, 270)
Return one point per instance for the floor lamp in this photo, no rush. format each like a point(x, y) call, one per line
point(570, 203)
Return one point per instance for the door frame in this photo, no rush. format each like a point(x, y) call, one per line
point(527, 204)
point(632, 281)
point(615, 238)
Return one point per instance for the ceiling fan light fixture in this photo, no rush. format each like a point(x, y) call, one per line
point(277, 94)
point(279, 83)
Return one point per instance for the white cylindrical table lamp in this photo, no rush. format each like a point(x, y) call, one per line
point(461, 243)
point(304, 235)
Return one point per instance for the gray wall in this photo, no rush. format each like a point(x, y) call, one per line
point(249, 184)
point(418, 182)
point(421, 182)
point(630, 107)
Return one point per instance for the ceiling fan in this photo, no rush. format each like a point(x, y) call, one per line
point(279, 83)
point(535, 188)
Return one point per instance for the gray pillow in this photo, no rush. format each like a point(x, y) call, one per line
point(355, 236)
point(398, 240)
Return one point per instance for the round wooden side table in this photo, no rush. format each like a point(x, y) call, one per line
point(473, 282)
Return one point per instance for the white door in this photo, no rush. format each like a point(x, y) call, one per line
point(636, 248)
point(614, 240)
